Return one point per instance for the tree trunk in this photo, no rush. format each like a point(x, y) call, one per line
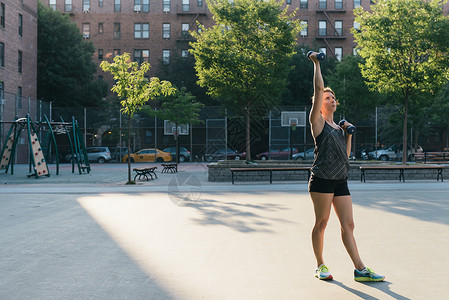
point(248, 134)
point(404, 139)
point(129, 150)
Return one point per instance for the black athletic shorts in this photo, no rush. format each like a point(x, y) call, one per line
point(336, 187)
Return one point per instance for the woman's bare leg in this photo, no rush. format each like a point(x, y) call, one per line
point(322, 203)
point(343, 209)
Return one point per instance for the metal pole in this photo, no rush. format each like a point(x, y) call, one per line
point(305, 131)
point(269, 134)
point(226, 134)
point(376, 133)
point(120, 136)
point(85, 126)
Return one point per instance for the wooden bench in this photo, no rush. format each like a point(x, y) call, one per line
point(172, 168)
point(401, 169)
point(145, 172)
point(432, 157)
point(270, 170)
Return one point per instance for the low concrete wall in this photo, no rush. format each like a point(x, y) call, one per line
point(219, 172)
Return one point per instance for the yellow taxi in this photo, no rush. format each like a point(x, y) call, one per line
point(148, 155)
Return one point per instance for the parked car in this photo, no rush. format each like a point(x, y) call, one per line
point(118, 152)
point(277, 153)
point(148, 155)
point(308, 154)
point(184, 154)
point(97, 154)
point(392, 152)
point(229, 154)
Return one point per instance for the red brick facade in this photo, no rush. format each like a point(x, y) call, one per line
point(17, 38)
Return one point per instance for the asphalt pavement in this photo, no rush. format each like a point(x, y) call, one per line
point(91, 236)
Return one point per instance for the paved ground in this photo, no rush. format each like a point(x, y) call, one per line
point(180, 237)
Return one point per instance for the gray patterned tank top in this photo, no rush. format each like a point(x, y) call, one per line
point(331, 159)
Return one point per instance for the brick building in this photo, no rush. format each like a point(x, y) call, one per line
point(154, 31)
point(18, 55)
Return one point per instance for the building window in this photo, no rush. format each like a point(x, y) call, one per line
point(322, 50)
point(86, 5)
point(141, 55)
point(117, 5)
point(19, 61)
point(338, 28)
point(141, 30)
point(19, 98)
point(357, 3)
point(142, 5)
point(304, 4)
point(184, 53)
point(100, 54)
point(322, 4)
point(2, 55)
point(166, 56)
point(100, 4)
point(100, 28)
point(185, 27)
point(52, 4)
point(185, 5)
point(68, 5)
point(356, 26)
point(116, 30)
point(339, 53)
point(288, 1)
point(20, 25)
point(86, 30)
point(322, 28)
point(200, 3)
point(166, 5)
point(166, 30)
point(304, 28)
point(2, 15)
point(2, 90)
point(116, 52)
point(338, 4)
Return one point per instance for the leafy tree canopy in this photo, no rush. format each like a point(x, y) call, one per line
point(65, 67)
point(247, 53)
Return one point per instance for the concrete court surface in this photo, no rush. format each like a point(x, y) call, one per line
point(180, 237)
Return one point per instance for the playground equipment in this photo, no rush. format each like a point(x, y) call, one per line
point(38, 161)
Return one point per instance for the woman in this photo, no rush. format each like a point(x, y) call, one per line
point(328, 183)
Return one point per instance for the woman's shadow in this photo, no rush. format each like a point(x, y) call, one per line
point(382, 286)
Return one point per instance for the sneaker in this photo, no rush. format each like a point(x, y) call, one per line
point(322, 272)
point(367, 275)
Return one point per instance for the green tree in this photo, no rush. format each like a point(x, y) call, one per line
point(133, 89)
point(404, 52)
point(181, 73)
point(65, 68)
point(244, 59)
point(180, 108)
point(299, 89)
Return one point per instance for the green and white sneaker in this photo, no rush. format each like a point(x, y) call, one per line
point(367, 275)
point(322, 272)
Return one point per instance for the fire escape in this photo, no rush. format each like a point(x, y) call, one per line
point(324, 8)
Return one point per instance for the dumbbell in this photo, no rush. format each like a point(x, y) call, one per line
point(320, 56)
point(350, 129)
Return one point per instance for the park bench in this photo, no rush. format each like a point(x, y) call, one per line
point(401, 169)
point(432, 157)
point(145, 172)
point(172, 168)
point(265, 169)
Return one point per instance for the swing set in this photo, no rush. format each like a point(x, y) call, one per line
point(40, 152)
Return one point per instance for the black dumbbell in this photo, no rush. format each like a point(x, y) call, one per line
point(320, 56)
point(350, 129)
